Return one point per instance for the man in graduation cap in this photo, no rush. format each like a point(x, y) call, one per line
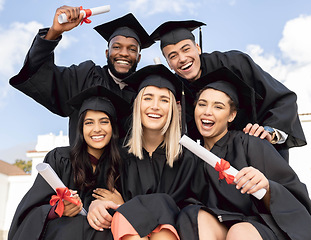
point(276, 110)
point(52, 86)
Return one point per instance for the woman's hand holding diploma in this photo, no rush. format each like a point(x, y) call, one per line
point(227, 172)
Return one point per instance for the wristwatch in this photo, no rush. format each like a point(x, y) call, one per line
point(271, 131)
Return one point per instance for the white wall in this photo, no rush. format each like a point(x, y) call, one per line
point(13, 188)
point(3, 199)
point(18, 187)
point(300, 158)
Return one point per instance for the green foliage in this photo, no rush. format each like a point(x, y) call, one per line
point(24, 165)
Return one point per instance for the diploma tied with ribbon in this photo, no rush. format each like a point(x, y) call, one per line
point(222, 166)
point(58, 186)
point(62, 18)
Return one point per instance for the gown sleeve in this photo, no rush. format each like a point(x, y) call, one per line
point(289, 197)
point(50, 85)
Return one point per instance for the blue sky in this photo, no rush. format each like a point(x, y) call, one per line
point(277, 34)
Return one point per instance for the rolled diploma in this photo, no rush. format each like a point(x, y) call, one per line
point(157, 60)
point(62, 18)
point(52, 179)
point(212, 159)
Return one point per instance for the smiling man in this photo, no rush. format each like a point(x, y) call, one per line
point(52, 86)
point(276, 107)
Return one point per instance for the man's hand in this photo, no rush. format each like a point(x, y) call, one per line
point(74, 18)
point(257, 131)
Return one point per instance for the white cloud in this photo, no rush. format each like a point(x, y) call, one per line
point(17, 39)
point(296, 40)
point(66, 41)
point(232, 2)
point(1, 4)
point(293, 69)
point(268, 62)
point(150, 7)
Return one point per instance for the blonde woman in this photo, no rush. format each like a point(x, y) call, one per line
point(157, 173)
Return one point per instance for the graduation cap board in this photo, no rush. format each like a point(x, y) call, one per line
point(156, 75)
point(127, 26)
point(99, 98)
point(173, 32)
point(243, 95)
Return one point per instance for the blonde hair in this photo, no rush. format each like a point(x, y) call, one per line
point(171, 131)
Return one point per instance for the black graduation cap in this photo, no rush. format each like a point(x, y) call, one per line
point(99, 98)
point(127, 26)
point(156, 75)
point(173, 32)
point(243, 95)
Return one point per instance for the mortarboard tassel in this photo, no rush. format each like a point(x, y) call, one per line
point(253, 106)
point(200, 39)
point(183, 113)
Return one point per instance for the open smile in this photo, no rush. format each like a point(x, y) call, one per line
point(153, 115)
point(123, 62)
point(207, 123)
point(186, 66)
point(98, 138)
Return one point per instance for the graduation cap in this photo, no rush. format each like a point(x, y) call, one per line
point(127, 26)
point(160, 76)
point(243, 95)
point(173, 32)
point(99, 98)
point(155, 75)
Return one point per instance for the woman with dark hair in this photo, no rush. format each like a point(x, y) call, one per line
point(93, 161)
point(230, 211)
point(85, 171)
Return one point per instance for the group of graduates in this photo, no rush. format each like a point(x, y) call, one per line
point(125, 165)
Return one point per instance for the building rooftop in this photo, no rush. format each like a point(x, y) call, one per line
point(10, 170)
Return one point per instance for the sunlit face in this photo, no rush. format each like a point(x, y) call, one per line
point(97, 131)
point(154, 108)
point(184, 59)
point(123, 54)
point(212, 114)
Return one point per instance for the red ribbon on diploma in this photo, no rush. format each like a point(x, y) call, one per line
point(62, 194)
point(88, 13)
point(224, 165)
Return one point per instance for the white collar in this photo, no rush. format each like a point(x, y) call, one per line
point(117, 80)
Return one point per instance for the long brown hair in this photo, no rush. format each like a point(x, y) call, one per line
point(84, 177)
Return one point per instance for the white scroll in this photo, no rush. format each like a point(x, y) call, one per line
point(52, 179)
point(157, 60)
point(212, 159)
point(62, 18)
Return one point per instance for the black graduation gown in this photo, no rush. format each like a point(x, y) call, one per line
point(30, 219)
point(154, 190)
point(52, 86)
point(277, 109)
point(289, 197)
